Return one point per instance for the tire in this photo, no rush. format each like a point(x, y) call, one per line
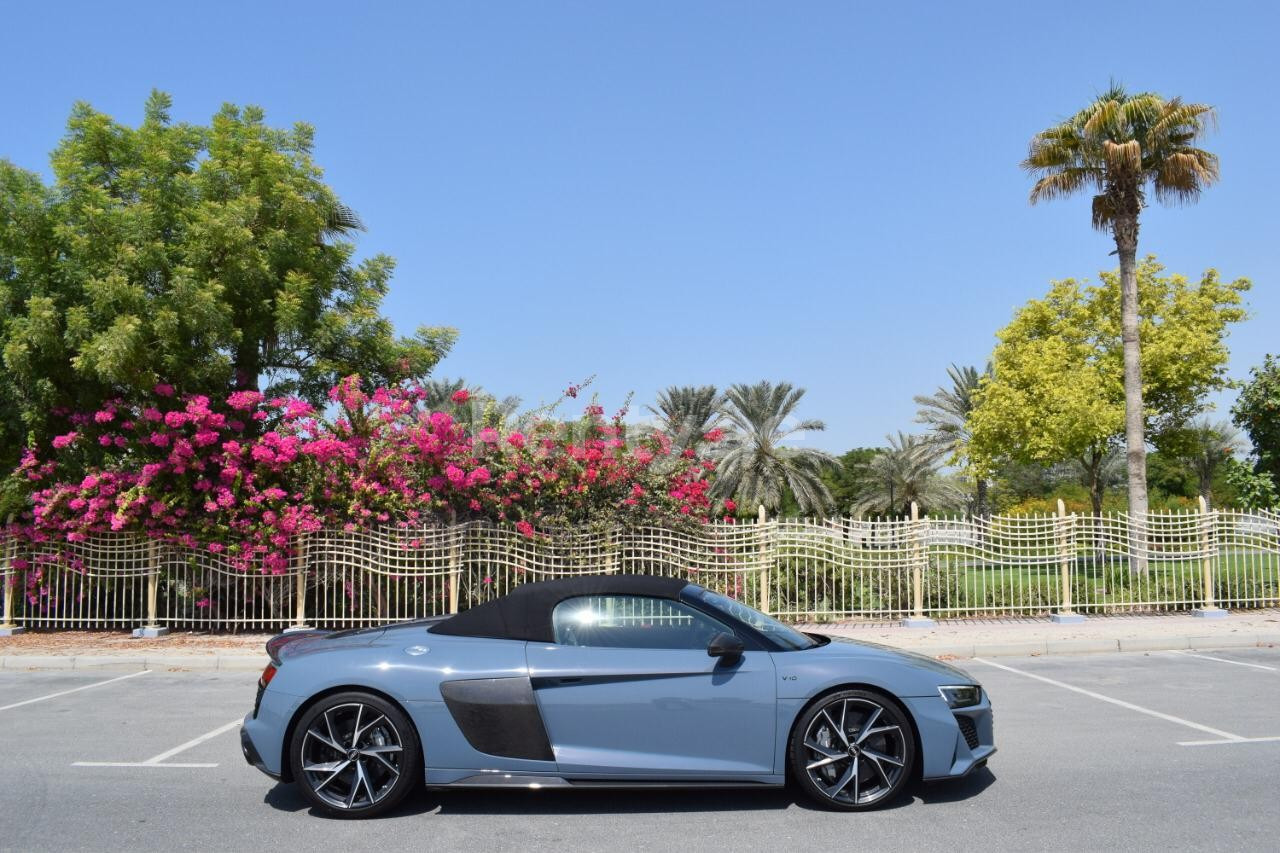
point(354, 755)
point(852, 750)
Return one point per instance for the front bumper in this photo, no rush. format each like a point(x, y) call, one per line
point(953, 743)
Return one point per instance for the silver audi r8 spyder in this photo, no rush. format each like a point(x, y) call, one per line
point(607, 680)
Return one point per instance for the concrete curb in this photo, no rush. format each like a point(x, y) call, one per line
point(1090, 646)
point(203, 663)
point(248, 663)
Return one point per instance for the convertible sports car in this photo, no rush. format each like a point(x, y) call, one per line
point(606, 680)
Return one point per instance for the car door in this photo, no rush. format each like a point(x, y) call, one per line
point(628, 690)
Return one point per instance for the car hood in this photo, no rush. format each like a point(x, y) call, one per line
point(861, 649)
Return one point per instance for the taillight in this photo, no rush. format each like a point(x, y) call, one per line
point(267, 674)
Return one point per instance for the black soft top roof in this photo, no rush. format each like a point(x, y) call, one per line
point(525, 612)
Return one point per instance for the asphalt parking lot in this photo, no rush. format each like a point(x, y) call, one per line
point(1114, 751)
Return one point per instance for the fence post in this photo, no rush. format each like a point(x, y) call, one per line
point(1064, 530)
point(1208, 553)
point(765, 562)
point(919, 561)
point(152, 628)
point(455, 566)
point(300, 586)
point(7, 628)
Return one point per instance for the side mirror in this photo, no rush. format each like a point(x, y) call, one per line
point(726, 646)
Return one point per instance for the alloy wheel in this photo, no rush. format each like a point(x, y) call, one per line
point(352, 756)
point(856, 751)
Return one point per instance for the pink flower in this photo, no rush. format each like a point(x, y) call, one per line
point(164, 390)
point(479, 476)
point(714, 435)
point(524, 528)
point(455, 475)
point(63, 441)
point(242, 401)
point(203, 603)
point(105, 416)
point(460, 396)
point(516, 440)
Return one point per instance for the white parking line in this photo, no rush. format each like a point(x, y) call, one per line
point(74, 690)
point(1224, 660)
point(157, 760)
point(1225, 736)
point(1217, 742)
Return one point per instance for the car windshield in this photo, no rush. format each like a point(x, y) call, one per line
point(787, 638)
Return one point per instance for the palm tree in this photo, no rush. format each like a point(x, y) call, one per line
point(686, 413)
point(1116, 147)
point(1211, 445)
point(755, 469)
point(903, 473)
point(481, 409)
point(946, 412)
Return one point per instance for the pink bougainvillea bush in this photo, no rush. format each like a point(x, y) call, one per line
point(244, 476)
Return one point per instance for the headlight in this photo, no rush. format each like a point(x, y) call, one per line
point(961, 696)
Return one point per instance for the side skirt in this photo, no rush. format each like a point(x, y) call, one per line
point(511, 780)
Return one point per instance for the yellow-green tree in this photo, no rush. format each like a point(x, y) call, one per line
point(1057, 389)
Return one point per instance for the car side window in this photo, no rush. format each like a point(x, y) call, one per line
point(632, 622)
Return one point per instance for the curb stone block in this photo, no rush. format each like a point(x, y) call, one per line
point(39, 662)
point(1222, 642)
point(242, 662)
point(1075, 647)
point(109, 662)
point(203, 663)
point(1154, 644)
point(1010, 649)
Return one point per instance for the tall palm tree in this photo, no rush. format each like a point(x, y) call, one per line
point(903, 473)
point(946, 412)
point(755, 468)
point(686, 413)
point(1116, 147)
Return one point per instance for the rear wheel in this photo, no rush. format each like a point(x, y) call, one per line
point(354, 755)
point(852, 750)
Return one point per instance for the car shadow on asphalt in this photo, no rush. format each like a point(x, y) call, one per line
point(603, 801)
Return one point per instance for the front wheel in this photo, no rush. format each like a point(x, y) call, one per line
point(852, 750)
point(354, 755)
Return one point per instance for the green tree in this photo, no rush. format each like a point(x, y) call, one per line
point(1204, 446)
point(1254, 489)
point(1257, 412)
point(755, 468)
point(205, 257)
point(946, 412)
point(1116, 147)
point(686, 413)
point(903, 473)
point(1057, 391)
point(845, 479)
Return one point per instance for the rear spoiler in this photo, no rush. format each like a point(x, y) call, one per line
point(277, 644)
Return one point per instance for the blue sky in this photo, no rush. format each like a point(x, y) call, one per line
point(692, 192)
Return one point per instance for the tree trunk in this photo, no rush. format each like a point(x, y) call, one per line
point(1126, 235)
point(1095, 486)
point(980, 501)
